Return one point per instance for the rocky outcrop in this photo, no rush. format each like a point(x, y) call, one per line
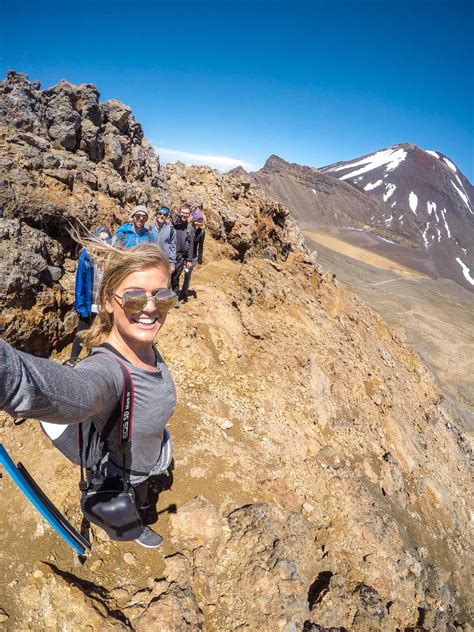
point(321, 482)
point(238, 215)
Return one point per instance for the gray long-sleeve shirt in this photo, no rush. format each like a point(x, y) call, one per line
point(165, 237)
point(47, 390)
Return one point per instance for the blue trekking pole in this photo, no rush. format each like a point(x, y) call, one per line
point(42, 503)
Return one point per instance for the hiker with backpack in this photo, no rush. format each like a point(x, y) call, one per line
point(86, 292)
point(124, 379)
point(163, 233)
point(184, 248)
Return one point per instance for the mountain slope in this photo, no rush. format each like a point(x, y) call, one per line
point(315, 198)
point(426, 195)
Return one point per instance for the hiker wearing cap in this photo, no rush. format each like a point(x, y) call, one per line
point(87, 290)
point(197, 221)
point(184, 248)
point(134, 233)
point(164, 234)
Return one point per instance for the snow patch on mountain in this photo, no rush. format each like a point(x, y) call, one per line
point(390, 157)
point(389, 189)
point(413, 201)
point(388, 240)
point(463, 196)
point(432, 153)
point(430, 206)
point(425, 240)
point(370, 185)
point(465, 270)
point(450, 164)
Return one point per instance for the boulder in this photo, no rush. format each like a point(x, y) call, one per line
point(19, 102)
point(117, 114)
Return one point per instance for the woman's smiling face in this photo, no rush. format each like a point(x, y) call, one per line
point(138, 328)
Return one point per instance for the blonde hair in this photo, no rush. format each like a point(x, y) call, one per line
point(119, 264)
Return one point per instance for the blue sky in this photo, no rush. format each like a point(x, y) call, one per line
point(314, 82)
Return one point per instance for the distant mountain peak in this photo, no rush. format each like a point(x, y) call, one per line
point(236, 171)
point(274, 163)
point(425, 193)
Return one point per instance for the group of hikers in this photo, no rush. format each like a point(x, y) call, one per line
point(179, 235)
point(126, 285)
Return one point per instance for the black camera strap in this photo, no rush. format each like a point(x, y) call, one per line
point(123, 413)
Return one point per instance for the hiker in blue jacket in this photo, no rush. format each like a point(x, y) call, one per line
point(164, 234)
point(86, 292)
point(134, 233)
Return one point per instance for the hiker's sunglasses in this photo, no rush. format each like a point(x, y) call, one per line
point(136, 300)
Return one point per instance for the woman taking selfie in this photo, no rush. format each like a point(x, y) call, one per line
point(135, 300)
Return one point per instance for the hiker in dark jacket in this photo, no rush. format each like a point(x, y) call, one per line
point(164, 234)
point(197, 219)
point(86, 292)
point(184, 247)
point(135, 232)
point(199, 234)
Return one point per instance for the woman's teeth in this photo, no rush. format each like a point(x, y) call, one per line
point(145, 321)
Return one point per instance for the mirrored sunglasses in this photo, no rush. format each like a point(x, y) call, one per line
point(136, 300)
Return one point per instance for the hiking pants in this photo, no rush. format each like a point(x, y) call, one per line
point(180, 263)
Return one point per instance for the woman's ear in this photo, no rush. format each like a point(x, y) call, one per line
point(108, 304)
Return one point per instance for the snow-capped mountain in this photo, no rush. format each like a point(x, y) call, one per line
point(425, 196)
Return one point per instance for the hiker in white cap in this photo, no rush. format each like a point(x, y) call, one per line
point(134, 233)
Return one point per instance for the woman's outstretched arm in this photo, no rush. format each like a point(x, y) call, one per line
point(47, 390)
